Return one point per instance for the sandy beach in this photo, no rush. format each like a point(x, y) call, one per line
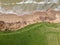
point(11, 18)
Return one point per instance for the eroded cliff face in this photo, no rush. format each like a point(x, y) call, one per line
point(13, 22)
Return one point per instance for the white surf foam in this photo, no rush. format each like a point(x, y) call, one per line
point(57, 9)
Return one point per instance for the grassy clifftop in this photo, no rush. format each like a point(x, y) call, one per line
point(35, 34)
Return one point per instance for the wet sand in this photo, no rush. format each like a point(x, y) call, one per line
point(11, 18)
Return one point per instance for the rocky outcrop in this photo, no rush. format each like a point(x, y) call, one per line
point(4, 26)
point(12, 22)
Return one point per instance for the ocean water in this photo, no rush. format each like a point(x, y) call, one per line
point(14, 1)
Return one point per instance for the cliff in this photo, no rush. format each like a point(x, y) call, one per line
point(13, 22)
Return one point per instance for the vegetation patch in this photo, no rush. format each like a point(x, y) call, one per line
point(35, 34)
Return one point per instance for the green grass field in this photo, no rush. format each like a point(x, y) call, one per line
point(35, 34)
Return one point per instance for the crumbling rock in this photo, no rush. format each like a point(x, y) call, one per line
point(2, 25)
point(9, 26)
point(14, 22)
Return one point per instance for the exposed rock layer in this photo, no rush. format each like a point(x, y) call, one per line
point(13, 22)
